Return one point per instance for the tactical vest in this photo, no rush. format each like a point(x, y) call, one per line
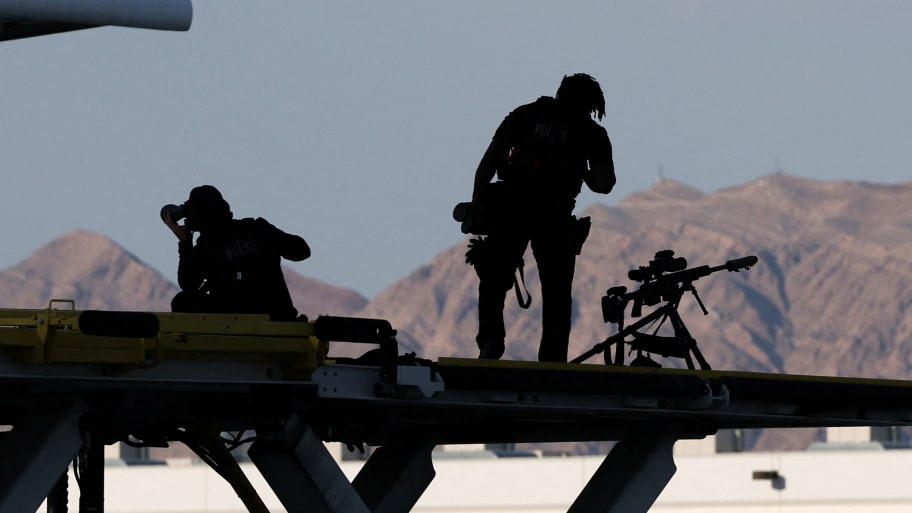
point(547, 150)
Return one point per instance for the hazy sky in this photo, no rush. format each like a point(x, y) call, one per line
point(358, 125)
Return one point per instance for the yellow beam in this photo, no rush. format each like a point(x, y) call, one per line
point(54, 336)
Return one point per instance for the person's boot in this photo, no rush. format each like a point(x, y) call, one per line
point(490, 348)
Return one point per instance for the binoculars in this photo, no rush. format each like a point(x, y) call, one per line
point(177, 212)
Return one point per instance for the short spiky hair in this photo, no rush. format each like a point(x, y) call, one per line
point(583, 90)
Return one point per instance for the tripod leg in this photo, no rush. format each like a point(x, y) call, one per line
point(618, 338)
point(687, 359)
point(689, 343)
point(704, 365)
point(619, 350)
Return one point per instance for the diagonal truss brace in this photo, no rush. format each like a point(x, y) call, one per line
point(36, 453)
point(632, 475)
point(306, 478)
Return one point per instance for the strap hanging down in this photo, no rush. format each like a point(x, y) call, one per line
point(521, 279)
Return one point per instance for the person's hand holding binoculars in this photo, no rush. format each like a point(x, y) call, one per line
point(181, 231)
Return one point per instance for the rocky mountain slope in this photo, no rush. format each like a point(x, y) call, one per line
point(828, 297)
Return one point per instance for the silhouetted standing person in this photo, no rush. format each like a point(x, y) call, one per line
point(235, 265)
point(542, 152)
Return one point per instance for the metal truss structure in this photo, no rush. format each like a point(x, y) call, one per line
point(74, 381)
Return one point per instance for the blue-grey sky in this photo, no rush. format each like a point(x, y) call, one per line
point(358, 125)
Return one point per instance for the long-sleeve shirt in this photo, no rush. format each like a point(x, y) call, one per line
point(240, 265)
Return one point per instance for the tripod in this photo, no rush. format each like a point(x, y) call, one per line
point(681, 345)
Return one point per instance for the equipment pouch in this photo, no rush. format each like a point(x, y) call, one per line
point(579, 233)
point(494, 201)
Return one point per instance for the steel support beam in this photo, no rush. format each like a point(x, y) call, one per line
point(632, 475)
point(209, 446)
point(57, 500)
point(301, 472)
point(394, 477)
point(91, 470)
point(36, 453)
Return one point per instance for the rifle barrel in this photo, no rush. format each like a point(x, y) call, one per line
point(741, 263)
